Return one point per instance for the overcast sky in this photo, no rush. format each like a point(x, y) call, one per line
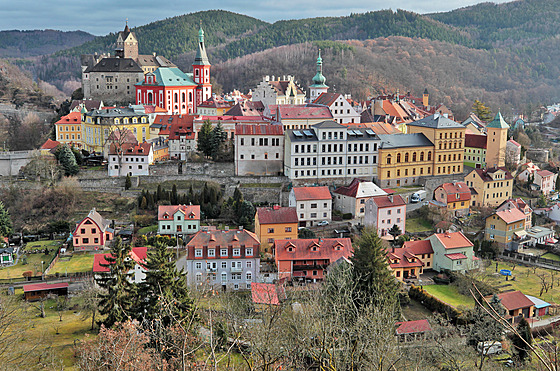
point(101, 17)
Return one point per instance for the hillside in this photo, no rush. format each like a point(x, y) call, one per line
point(22, 44)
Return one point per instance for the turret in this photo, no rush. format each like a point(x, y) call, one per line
point(318, 87)
point(201, 70)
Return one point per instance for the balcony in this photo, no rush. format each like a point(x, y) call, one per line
point(236, 269)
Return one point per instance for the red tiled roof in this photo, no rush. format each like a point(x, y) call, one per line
point(277, 215)
point(266, 293)
point(544, 173)
point(88, 103)
point(475, 141)
point(215, 103)
point(176, 126)
point(138, 254)
point(303, 112)
point(44, 286)
point(259, 129)
point(453, 240)
point(419, 247)
point(233, 237)
point(412, 327)
point(187, 210)
point(511, 215)
point(50, 144)
point(246, 108)
point(514, 300)
point(483, 174)
point(456, 256)
point(405, 259)
point(452, 189)
point(327, 249)
point(514, 143)
point(140, 149)
point(312, 193)
point(327, 99)
point(281, 86)
point(388, 201)
point(71, 118)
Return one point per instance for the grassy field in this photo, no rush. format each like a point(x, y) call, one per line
point(76, 263)
point(148, 229)
point(526, 280)
point(449, 295)
point(551, 256)
point(50, 244)
point(33, 264)
point(415, 311)
point(418, 225)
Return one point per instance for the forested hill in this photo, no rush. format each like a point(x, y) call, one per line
point(506, 23)
point(174, 36)
point(21, 44)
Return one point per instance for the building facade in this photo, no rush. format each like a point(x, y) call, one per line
point(383, 212)
point(453, 252)
point(341, 109)
point(275, 223)
point(92, 233)
point(352, 199)
point(271, 91)
point(503, 227)
point(475, 151)
point(496, 142)
point(313, 204)
point(132, 159)
point(259, 149)
point(489, 187)
point(178, 219)
point(456, 196)
point(69, 129)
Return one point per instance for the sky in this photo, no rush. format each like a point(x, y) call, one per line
point(101, 17)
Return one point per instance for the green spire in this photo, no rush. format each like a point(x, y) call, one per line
point(498, 122)
point(201, 57)
point(200, 34)
point(319, 80)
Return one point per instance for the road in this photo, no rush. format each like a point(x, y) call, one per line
point(411, 207)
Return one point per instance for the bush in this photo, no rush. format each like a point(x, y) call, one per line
point(347, 216)
point(434, 304)
point(143, 220)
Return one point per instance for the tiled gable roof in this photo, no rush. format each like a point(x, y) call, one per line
point(360, 188)
point(453, 240)
point(187, 210)
point(259, 129)
point(233, 237)
point(475, 141)
point(437, 121)
point(388, 201)
point(115, 65)
point(511, 215)
point(50, 144)
point(277, 215)
point(327, 99)
point(312, 193)
point(419, 247)
point(514, 300)
point(413, 327)
point(454, 189)
point(303, 111)
point(330, 249)
point(267, 293)
point(138, 254)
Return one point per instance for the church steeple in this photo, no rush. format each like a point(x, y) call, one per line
point(319, 80)
point(201, 57)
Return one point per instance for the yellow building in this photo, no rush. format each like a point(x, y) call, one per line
point(275, 223)
point(489, 187)
point(97, 126)
point(69, 129)
point(456, 196)
point(496, 140)
point(505, 226)
point(411, 260)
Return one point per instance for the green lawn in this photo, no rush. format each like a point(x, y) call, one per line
point(418, 225)
point(33, 264)
point(449, 295)
point(77, 263)
point(148, 229)
point(50, 244)
point(551, 256)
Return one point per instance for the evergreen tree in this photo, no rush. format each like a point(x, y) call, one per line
point(521, 343)
point(164, 292)
point(374, 281)
point(395, 231)
point(480, 110)
point(191, 194)
point(117, 299)
point(174, 199)
point(67, 160)
point(143, 203)
point(78, 156)
point(246, 214)
point(218, 137)
point(127, 182)
point(204, 141)
point(237, 198)
point(159, 193)
point(6, 227)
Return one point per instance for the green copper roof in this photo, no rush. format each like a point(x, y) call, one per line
point(201, 58)
point(172, 76)
point(319, 80)
point(498, 122)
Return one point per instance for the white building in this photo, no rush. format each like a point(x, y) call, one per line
point(259, 149)
point(352, 199)
point(134, 159)
point(341, 109)
point(329, 150)
point(273, 91)
point(313, 204)
point(383, 212)
point(137, 273)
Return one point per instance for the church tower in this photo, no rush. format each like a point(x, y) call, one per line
point(201, 71)
point(496, 140)
point(127, 44)
point(319, 80)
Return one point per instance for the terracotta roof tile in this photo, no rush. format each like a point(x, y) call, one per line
point(44, 286)
point(419, 247)
point(259, 129)
point(388, 201)
point(234, 237)
point(312, 193)
point(267, 293)
point(187, 210)
point(277, 215)
point(511, 215)
point(456, 256)
point(138, 254)
point(475, 141)
point(412, 327)
point(453, 240)
point(330, 249)
point(514, 300)
point(50, 144)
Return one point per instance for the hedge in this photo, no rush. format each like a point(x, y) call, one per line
point(435, 305)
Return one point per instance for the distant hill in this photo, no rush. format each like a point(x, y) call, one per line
point(22, 44)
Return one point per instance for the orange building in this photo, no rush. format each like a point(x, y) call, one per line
point(92, 233)
point(69, 129)
point(411, 260)
point(275, 223)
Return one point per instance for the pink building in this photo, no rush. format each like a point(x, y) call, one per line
point(382, 212)
point(92, 233)
point(546, 180)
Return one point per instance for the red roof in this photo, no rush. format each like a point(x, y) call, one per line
point(259, 129)
point(312, 193)
point(170, 210)
point(50, 144)
point(176, 126)
point(419, 247)
point(511, 215)
point(514, 300)
point(266, 293)
point(412, 327)
point(330, 249)
point(514, 143)
point(286, 111)
point(277, 215)
point(453, 240)
point(327, 99)
point(233, 237)
point(44, 286)
point(485, 174)
point(454, 189)
point(71, 118)
point(405, 259)
point(544, 173)
point(138, 254)
point(456, 256)
point(388, 201)
point(140, 149)
point(475, 141)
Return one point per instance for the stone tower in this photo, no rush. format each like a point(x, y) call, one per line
point(127, 44)
point(319, 80)
point(496, 140)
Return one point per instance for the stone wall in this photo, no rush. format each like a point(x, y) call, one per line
point(537, 154)
point(12, 162)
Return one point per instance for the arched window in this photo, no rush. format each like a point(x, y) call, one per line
point(445, 145)
point(176, 97)
point(421, 156)
point(414, 157)
point(459, 144)
point(406, 157)
point(440, 135)
point(429, 155)
point(398, 158)
point(150, 98)
point(183, 97)
point(190, 96)
point(196, 72)
point(388, 160)
point(439, 146)
point(445, 135)
point(455, 145)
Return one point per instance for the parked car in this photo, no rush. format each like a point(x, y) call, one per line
point(324, 222)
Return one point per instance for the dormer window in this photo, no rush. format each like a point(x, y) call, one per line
point(290, 249)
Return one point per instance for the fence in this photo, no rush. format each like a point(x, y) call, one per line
point(530, 259)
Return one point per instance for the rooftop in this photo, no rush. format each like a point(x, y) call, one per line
point(277, 215)
point(312, 193)
point(259, 129)
point(455, 240)
point(514, 300)
point(404, 140)
point(437, 121)
point(167, 211)
point(301, 249)
point(360, 188)
point(413, 327)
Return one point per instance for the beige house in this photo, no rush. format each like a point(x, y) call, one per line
point(352, 198)
point(313, 204)
point(489, 187)
point(273, 91)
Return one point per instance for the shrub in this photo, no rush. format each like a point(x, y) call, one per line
point(347, 216)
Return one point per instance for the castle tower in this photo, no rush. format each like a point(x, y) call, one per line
point(426, 98)
point(319, 80)
point(127, 44)
point(496, 140)
point(201, 71)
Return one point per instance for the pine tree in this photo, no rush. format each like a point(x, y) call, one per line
point(521, 343)
point(67, 160)
point(395, 231)
point(204, 141)
point(174, 199)
point(143, 203)
point(117, 300)
point(6, 227)
point(159, 193)
point(164, 291)
point(127, 182)
point(374, 281)
point(217, 138)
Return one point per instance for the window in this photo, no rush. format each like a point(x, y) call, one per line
point(83, 231)
point(198, 277)
point(211, 252)
point(249, 276)
point(236, 252)
point(198, 265)
point(198, 253)
point(223, 252)
point(93, 230)
point(224, 265)
point(249, 251)
point(313, 206)
point(288, 229)
point(249, 264)
point(96, 240)
point(271, 230)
